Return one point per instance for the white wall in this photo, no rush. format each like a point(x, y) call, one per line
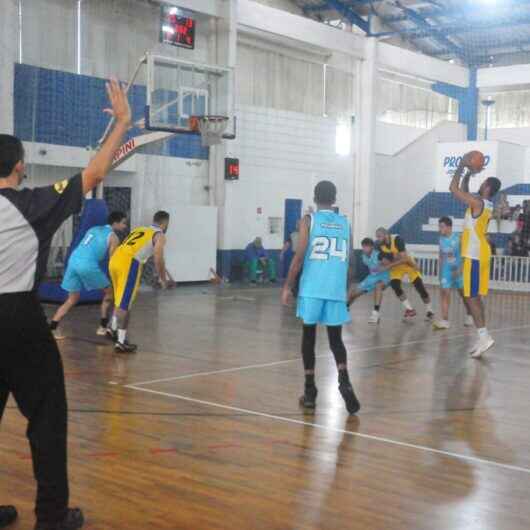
point(49, 34)
point(284, 5)
point(114, 35)
point(282, 155)
point(511, 165)
point(117, 33)
point(391, 138)
point(8, 55)
point(516, 135)
point(402, 180)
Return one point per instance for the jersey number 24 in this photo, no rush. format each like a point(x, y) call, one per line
point(324, 248)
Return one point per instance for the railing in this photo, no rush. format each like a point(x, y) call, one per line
point(507, 273)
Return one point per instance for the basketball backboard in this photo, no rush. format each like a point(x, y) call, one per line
point(182, 97)
point(178, 90)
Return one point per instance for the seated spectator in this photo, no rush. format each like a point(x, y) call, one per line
point(526, 219)
point(258, 258)
point(502, 210)
point(517, 245)
point(516, 212)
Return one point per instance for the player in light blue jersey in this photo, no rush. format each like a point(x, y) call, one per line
point(324, 249)
point(84, 270)
point(376, 281)
point(450, 270)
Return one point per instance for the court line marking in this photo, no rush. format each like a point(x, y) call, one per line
point(320, 356)
point(370, 437)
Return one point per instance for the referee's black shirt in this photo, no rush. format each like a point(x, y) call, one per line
point(28, 220)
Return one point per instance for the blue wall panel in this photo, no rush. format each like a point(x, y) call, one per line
point(61, 108)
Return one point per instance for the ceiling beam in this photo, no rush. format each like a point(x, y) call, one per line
point(349, 14)
point(455, 28)
point(485, 55)
point(439, 37)
point(324, 6)
point(463, 11)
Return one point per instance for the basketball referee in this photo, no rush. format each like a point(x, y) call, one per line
point(30, 364)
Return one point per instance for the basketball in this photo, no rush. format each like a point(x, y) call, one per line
point(475, 161)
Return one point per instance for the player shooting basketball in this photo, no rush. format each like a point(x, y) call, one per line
point(476, 251)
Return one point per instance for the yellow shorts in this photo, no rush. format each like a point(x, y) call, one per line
point(398, 273)
point(476, 275)
point(125, 273)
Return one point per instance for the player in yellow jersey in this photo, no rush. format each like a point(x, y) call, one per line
point(476, 251)
point(403, 265)
point(125, 269)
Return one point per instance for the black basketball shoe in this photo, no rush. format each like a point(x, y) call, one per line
point(73, 521)
point(8, 515)
point(309, 399)
point(350, 399)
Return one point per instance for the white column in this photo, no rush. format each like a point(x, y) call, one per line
point(223, 53)
point(365, 143)
point(9, 51)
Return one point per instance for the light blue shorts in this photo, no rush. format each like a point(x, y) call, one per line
point(84, 275)
point(370, 282)
point(326, 312)
point(450, 280)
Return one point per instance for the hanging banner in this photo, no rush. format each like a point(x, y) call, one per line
point(449, 155)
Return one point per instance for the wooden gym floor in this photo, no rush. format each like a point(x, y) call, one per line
point(201, 429)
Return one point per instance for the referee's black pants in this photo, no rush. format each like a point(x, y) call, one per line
point(31, 370)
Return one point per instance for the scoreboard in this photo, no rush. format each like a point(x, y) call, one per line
point(231, 169)
point(176, 29)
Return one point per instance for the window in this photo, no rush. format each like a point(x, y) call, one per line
point(343, 139)
point(275, 225)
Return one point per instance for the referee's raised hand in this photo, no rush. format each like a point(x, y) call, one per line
point(120, 110)
point(100, 165)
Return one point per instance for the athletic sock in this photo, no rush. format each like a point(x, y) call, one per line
point(54, 325)
point(309, 380)
point(104, 322)
point(114, 324)
point(429, 308)
point(483, 333)
point(122, 335)
point(377, 308)
point(406, 304)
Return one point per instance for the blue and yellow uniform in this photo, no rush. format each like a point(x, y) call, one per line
point(450, 262)
point(83, 270)
point(476, 252)
point(323, 286)
point(127, 263)
point(375, 276)
point(396, 246)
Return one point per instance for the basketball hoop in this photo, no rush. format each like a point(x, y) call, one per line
point(211, 128)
